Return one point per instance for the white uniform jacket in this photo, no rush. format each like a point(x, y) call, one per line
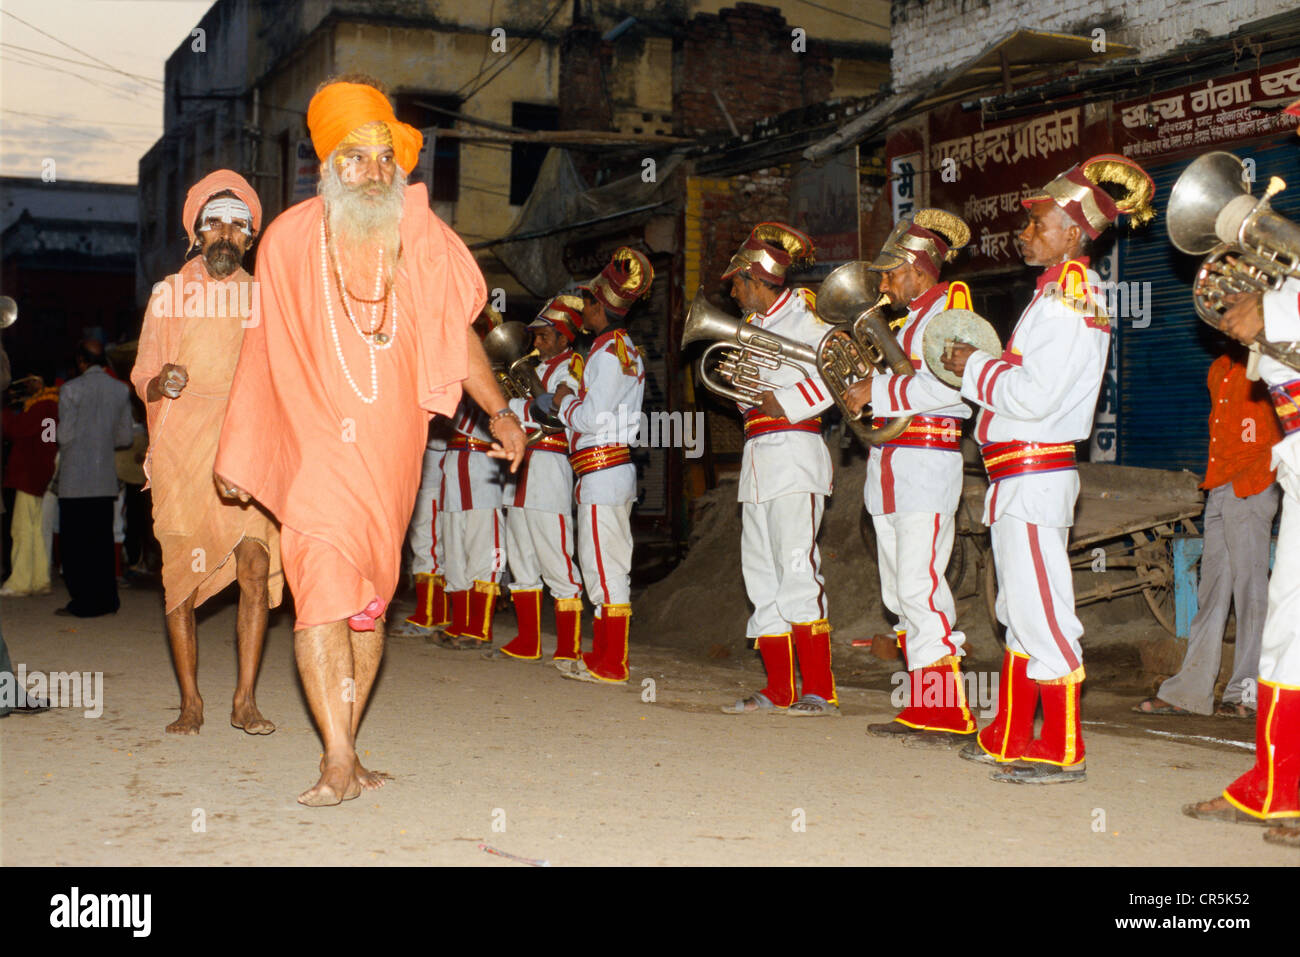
point(472, 480)
point(903, 476)
point(1282, 324)
point(605, 411)
point(787, 462)
point(1043, 389)
point(545, 481)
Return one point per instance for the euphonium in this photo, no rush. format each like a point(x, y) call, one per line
point(507, 348)
point(746, 351)
point(1252, 249)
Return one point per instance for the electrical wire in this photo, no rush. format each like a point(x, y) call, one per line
point(81, 63)
point(90, 56)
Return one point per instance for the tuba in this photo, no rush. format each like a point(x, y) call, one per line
point(8, 312)
point(515, 366)
point(1251, 248)
point(744, 351)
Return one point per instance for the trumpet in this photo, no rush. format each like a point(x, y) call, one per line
point(1251, 248)
point(516, 370)
point(861, 344)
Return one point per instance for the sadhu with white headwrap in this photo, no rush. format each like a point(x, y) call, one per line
point(1036, 401)
point(363, 333)
point(189, 343)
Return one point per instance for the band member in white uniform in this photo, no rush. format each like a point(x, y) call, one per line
point(424, 538)
point(539, 516)
point(1269, 793)
point(785, 476)
point(475, 488)
point(914, 482)
point(604, 417)
point(1036, 401)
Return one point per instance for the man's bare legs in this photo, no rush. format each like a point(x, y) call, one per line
point(367, 652)
point(252, 564)
point(325, 664)
point(181, 635)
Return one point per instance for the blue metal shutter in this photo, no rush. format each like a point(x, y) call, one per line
point(1164, 404)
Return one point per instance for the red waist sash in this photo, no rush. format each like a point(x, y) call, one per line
point(1006, 459)
point(1286, 402)
point(756, 423)
point(551, 443)
point(586, 461)
point(927, 432)
point(463, 443)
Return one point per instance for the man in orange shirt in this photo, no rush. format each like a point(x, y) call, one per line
point(1240, 503)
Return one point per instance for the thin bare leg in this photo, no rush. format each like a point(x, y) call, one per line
point(325, 664)
point(183, 638)
point(252, 565)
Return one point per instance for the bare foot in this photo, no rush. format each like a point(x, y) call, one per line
point(336, 785)
point(189, 722)
point(247, 716)
point(370, 780)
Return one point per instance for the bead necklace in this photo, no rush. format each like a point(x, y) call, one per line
point(369, 339)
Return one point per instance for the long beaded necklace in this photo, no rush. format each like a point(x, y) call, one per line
point(374, 340)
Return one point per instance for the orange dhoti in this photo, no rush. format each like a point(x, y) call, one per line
point(341, 473)
point(197, 528)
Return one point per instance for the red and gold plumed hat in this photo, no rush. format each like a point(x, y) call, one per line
point(926, 238)
point(563, 313)
point(769, 251)
point(1079, 191)
point(626, 279)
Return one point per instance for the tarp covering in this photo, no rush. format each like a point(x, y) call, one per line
point(561, 199)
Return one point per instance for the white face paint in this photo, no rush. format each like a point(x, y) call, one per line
point(226, 209)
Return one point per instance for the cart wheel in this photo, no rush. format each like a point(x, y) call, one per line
point(990, 589)
point(1156, 561)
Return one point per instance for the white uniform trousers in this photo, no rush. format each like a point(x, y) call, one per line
point(540, 547)
point(605, 551)
point(781, 562)
point(423, 536)
point(912, 550)
point(1036, 596)
point(1279, 653)
point(475, 547)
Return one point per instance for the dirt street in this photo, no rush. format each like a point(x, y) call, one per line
point(512, 755)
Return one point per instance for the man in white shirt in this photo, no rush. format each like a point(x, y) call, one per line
point(1036, 401)
point(914, 482)
point(785, 476)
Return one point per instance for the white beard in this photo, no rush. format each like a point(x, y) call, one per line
point(359, 223)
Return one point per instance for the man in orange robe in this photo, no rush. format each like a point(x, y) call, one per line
point(363, 333)
point(192, 331)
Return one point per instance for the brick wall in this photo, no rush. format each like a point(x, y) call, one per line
point(583, 100)
point(744, 53)
point(932, 36)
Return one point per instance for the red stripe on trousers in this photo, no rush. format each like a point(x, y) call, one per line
point(812, 559)
point(600, 563)
point(934, 587)
point(496, 546)
point(887, 478)
point(1040, 570)
point(564, 547)
point(466, 493)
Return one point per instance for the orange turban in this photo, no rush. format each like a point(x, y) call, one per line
point(340, 108)
point(219, 181)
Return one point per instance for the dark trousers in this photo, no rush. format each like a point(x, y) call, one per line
point(89, 559)
point(138, 540)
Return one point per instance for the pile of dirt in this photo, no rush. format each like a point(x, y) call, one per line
point(702, 604)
